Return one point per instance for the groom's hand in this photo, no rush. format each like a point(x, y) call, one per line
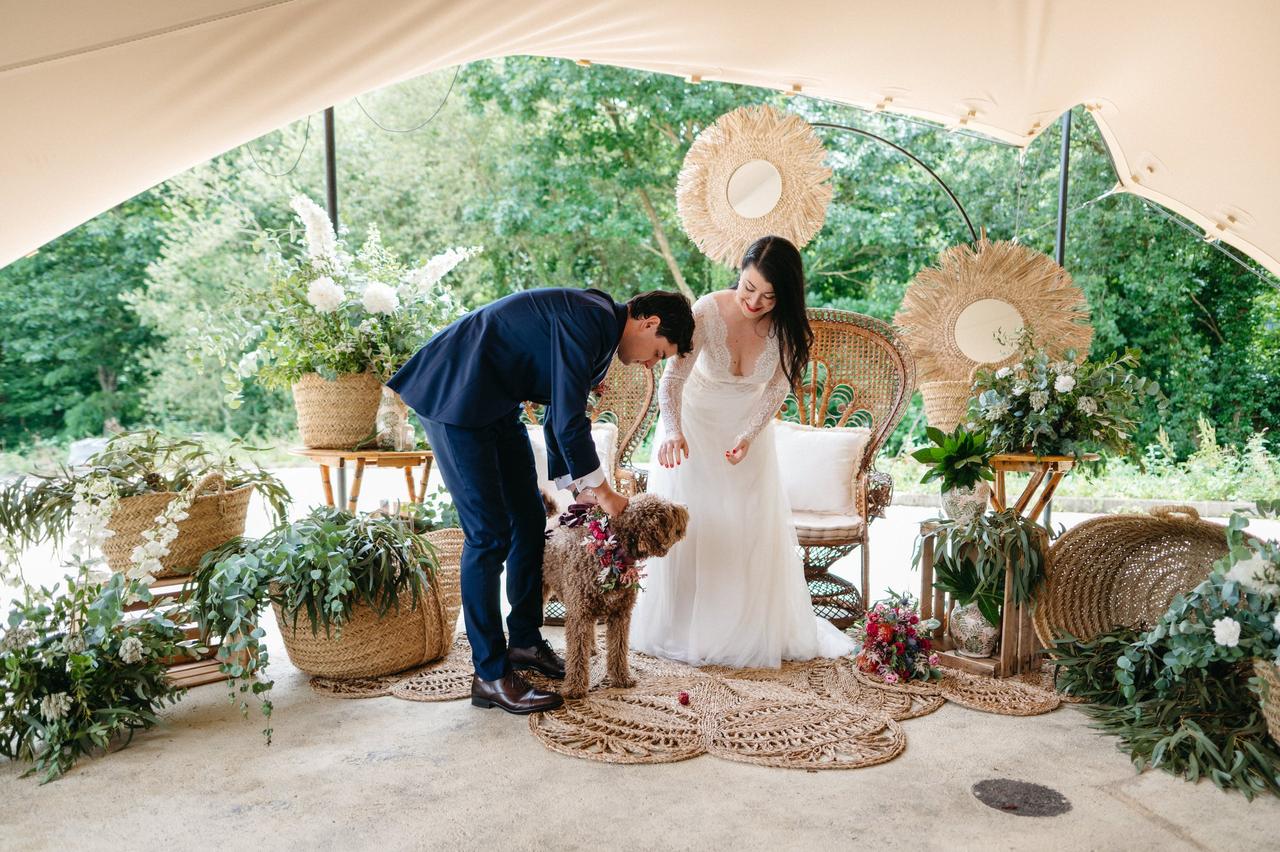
point(606, 498)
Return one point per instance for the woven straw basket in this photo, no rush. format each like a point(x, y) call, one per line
point(403, 638)
point(213, 519)
point(1124, 571)
point(1270, 674)
point(337, 415)
point(945, 403)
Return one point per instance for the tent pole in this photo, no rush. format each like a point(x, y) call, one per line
point(1060, 249)
point(331, 168)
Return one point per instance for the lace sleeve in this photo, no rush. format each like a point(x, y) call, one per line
point(671, 385)
point(775, 393)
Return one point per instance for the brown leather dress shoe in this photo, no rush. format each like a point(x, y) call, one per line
point(540, 658)
point(513, 694)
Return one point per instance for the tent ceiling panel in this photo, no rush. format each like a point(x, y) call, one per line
point(101, 101)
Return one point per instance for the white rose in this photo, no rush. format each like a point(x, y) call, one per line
point(324, 295)
point(1064, 384)
point(1226, 631)
point(379, 298)
point(1003, 372)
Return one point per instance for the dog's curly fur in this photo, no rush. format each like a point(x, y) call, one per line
point(649, 526)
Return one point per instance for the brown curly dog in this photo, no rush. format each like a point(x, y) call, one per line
point(649, 526)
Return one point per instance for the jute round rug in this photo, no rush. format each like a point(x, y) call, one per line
point(820, 714)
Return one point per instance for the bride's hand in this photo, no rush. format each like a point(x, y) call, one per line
point(739, 452)
point(669, 452)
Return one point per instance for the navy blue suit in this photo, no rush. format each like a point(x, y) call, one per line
point(467, 385)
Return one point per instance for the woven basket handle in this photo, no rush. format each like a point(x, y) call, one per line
point(210, 482)
point(1169, 511)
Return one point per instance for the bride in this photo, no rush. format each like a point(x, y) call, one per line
point(733, 593)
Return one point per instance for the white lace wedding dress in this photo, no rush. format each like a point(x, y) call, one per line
point(732, 593)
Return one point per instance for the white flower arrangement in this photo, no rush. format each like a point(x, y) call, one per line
point(324, 295)
point(379, 298)
point(1064, 383)
point(1254, 575)
point(131, 650)
point(55, 706)
point(1038, 400)
point(145, 560)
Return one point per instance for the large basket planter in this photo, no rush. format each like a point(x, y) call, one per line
point(215, 517)
point(338, 414)
point(369, 646)
point(1124, 571)
point(1270, 674)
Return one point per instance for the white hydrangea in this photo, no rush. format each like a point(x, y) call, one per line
point(131, 650)
point(1064, 368)
point(54, 707)
point(16, 638)
point(1064, 384)
point(379, 298)
point(325, 295)
point(1252, 574)
point(322, 243)
point(1087, 405)
point(1038, 400)
point(1226, 631)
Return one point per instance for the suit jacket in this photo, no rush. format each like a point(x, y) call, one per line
point(548, 346)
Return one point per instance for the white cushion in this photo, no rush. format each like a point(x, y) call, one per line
point(819, 527)
point(603, 434)
point(818, 465)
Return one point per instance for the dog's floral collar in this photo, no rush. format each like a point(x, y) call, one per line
point(618, 569)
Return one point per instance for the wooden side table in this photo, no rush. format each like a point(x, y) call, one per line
point(1046, 474)
point(405, 460)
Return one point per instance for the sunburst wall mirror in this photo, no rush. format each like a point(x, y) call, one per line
point(968, 310)
point(756, 171)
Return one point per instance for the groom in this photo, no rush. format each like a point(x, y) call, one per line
point(467, 384)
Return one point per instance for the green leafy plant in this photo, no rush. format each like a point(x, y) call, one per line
point(320, 567)
point(960, 459)
point(1061, 407)
point(78, 674)
point(38, 507)
point(970, 557)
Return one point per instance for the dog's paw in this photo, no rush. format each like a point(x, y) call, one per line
point(573, 692)
point(622, 683)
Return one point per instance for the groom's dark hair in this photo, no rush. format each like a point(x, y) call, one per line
point(675, 317)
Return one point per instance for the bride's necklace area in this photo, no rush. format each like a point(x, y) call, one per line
point(742, 332)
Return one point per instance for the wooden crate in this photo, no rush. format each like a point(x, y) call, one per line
point(185, 671)
point(1018, 649)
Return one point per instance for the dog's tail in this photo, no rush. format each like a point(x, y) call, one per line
point(549, 505)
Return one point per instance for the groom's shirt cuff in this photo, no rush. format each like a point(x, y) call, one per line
point(591, 480)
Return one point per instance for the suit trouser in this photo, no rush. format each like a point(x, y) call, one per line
point(491, 477)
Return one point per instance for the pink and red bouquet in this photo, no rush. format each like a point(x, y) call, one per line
point(618, 570)
point(896, 644)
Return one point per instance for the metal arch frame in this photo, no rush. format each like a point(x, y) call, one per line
point(973, 232)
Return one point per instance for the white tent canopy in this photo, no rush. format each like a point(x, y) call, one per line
point(102, 100)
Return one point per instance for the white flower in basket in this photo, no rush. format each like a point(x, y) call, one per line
point(380, 298)
point(324, 295)
point(1064, 383)
point(1252, 574)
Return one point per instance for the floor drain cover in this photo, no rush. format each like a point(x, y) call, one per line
point(1021, 798)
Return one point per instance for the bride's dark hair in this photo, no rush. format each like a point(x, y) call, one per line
point(779, 263)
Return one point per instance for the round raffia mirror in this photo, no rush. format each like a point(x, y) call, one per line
point(987, 330)
point(969, 309)
point(754, 189)
point(756, 171)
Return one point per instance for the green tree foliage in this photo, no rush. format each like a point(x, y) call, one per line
point(68, 356)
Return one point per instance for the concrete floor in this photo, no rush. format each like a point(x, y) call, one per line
point(390, 773)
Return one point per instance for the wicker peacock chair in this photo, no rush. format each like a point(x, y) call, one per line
point(860, 373)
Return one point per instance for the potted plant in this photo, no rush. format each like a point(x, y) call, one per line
point(971, 557)
point(151, 504)
point(962, 461)
point(1061, 407)
point(78, 674)
point(334, 326)
point(354, 595)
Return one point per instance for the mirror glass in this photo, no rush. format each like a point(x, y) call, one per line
point(754, 188)
point(987, 330)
